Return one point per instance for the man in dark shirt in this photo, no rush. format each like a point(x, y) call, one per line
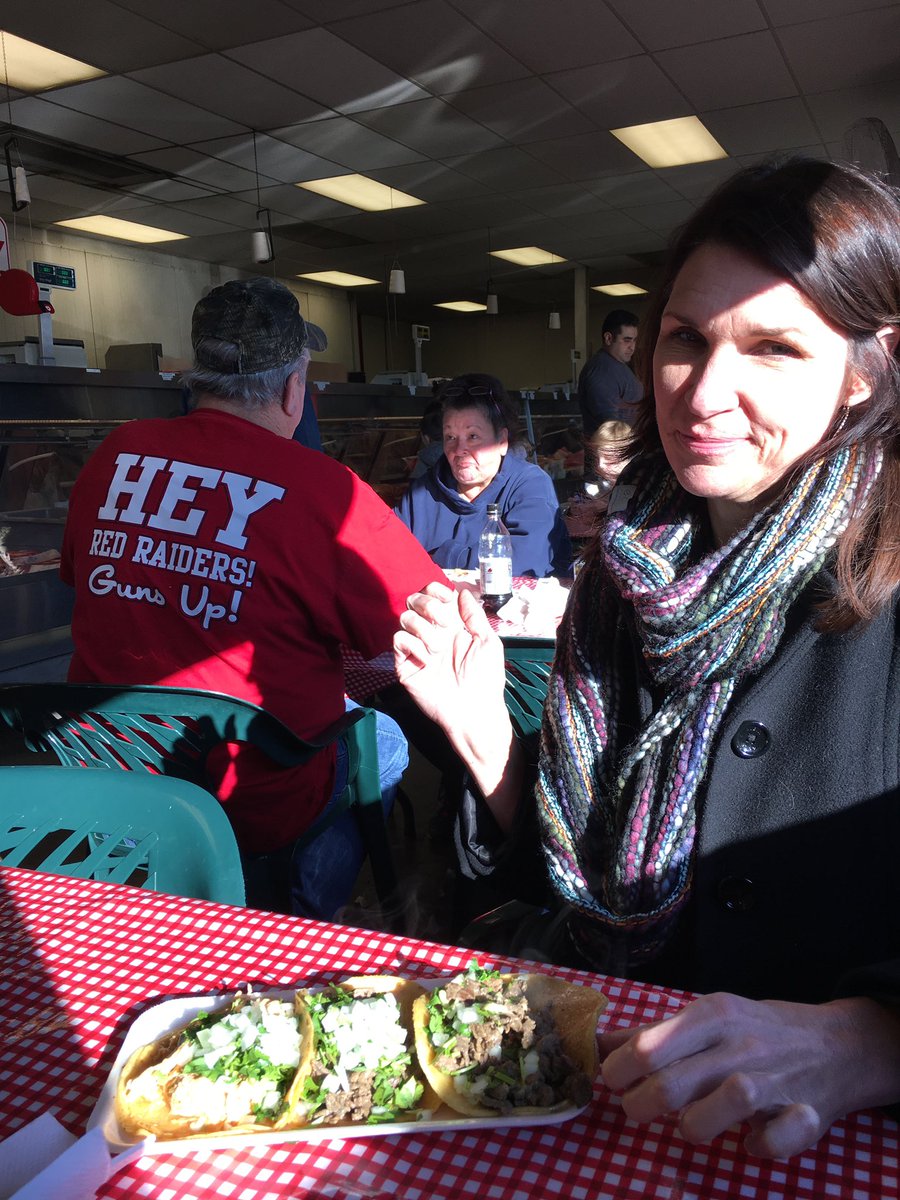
point(608, 389)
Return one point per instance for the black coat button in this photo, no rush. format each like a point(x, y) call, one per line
point(736, 894)
point(751, 740)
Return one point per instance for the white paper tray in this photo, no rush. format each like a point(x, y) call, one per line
point(169, 1014)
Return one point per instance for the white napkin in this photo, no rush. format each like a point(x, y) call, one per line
point(535, 612)
point(43, 1161)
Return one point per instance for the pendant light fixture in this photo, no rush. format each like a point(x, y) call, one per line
point(397, 280)
point(20, 196)
point(553, 323)
point(261, 240)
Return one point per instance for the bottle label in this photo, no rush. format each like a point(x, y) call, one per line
point(496, 576)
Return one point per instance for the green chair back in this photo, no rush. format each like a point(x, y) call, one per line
point(528, 662)
point(171, 731)
point(155, 832)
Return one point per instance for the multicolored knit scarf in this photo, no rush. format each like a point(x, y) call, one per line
point(617, 804)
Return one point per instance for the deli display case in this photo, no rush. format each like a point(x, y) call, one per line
point(51, 420)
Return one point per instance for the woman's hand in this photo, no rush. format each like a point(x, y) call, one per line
point(447, 656)
point(790, 1070)
point(451, 662)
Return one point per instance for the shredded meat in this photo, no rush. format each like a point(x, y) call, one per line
point(497, 1045)
point(354, 1105)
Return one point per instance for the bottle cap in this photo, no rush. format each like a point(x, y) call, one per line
point(493, 510)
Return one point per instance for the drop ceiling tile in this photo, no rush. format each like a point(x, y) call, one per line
point(496, 212)
point(431, 127)
point(66, 124)
point(573, 33)
point(332, 71)
point(660, 24)
point(662, 218)
point(637, 240)
point(432, 44)
point(585, 156)
point(525, 110)
point(145, 109)
point(277, 160)
point(336, 10)
point(170, 191)
point(697, 180)
point(228, 209)
point(343, 140)
point(789, 12)
point(738, 70)
point(220, 23)
point(561, 200)
point(609, 224)
point(231, 89)
point(639, 187)
point(431, 181)
point(505, 168)
point(817, 150)
point(843, 52)
point(628, 91)
point(199, 168)
point(98, 32)
point(758, 128)
point(836, 111)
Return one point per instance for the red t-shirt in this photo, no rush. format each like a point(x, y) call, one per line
point(208, 552)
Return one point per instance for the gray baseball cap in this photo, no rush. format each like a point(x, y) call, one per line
point(261, 318)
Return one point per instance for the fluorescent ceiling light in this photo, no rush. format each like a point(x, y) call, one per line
point(463, 306)
point(619, 289)
point(671, 143)
point(33, 68)
point(360, 192)
point(528, 256)
point(126, 231)
point(338, 278)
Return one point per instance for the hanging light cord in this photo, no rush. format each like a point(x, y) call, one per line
point(256, 171)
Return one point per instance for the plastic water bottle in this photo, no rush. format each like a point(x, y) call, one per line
point(495, 561)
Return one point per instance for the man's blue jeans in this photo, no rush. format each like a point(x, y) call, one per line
point(322, 873)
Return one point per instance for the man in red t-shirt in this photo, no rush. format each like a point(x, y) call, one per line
point(212, 551)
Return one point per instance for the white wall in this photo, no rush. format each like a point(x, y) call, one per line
point(128, 294)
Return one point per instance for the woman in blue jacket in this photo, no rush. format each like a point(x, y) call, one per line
point(446, 508)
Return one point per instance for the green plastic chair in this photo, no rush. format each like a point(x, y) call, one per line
point(528, 662)
point(171, 731)
point(159, 833)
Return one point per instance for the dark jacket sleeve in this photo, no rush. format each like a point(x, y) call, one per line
point(497, 866)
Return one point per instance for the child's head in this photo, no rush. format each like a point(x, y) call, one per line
point(610, 440)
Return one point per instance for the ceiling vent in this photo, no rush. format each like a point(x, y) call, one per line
point(61, 160)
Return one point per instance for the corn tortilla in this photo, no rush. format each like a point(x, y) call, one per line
point(140, 1113)
point(575, 1010)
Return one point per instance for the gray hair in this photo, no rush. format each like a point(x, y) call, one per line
point(256, 390)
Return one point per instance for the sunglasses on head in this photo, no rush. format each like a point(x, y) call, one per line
point(455, 392)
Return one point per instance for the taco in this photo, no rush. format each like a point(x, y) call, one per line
point(236, 1069)
point(522, 1044)
point(363, 1069)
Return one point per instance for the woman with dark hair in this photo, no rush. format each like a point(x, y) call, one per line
point(718, 791)
point(446, 508)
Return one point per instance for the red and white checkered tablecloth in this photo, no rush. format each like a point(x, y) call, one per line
point(363, 677)
point(80, 960)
